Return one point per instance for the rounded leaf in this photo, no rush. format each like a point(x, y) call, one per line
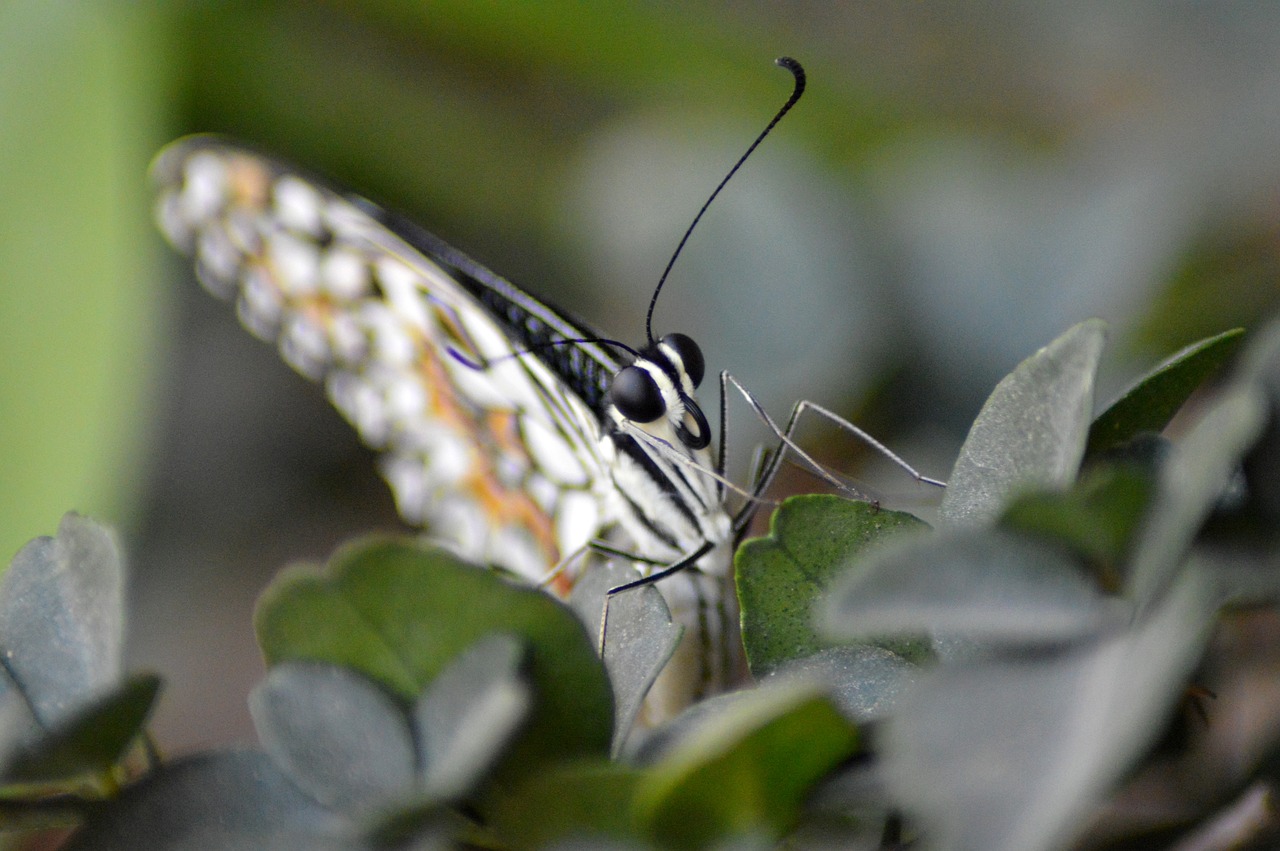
point(746, 770)
point(780, 577)
point(62, 618)
point(340, 737)
point(469, 714)
point(988, 586)
point(1011, 755)
point(237, 799)
point(400, 612)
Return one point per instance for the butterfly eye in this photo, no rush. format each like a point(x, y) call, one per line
point(636, 395)
point(690, 355)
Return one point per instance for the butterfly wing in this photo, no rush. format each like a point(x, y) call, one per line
point(499, 456)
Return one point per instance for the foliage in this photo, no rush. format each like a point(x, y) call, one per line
point(988, 683)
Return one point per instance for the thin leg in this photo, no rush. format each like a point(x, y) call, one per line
point(687, 561)
point(607, 549)
point(784, 435)
point(562, 565)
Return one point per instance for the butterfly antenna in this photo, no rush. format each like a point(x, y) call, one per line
point(796, 71)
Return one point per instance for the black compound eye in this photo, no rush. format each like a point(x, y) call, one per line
point(690, 355)
point(636, 395)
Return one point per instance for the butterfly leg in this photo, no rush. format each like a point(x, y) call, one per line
point(686, 563)
point(707, 659)
point(785, 441)
point(606, 549)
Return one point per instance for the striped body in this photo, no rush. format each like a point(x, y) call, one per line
point(518, 458)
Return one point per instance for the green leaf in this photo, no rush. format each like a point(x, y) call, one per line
point(780, 576)
point(340, 737)
point(470, 713)
point(1152, 401)
point(1097, 518)
point(62, 617)
point(400, 612)
point(1191, 482)
point(235, 799)
point(587, 801)
point(983, 585)
point(1031, 432)
point(642, 637)
point(1013, 754)
point(93, 739)
point(746, 771)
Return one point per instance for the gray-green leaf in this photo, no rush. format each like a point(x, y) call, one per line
point(1032, 430)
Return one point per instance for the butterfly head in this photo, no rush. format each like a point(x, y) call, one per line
point(658, 387)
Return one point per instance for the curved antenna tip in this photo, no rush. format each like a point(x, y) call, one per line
point(797, 71)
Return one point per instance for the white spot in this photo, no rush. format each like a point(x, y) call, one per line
point(347, 339)
point(577, 520)
point(406, 399)
point(343, 218)
point(344, 274)
point(402, 286)
point(298, 204)
point(489, 341)
point(260, 299)
point(391, 341)
point(515, 375)
point(361, 403)
point(296, 263)
point(543, 491)
point(461, 522)
point(303, 346)
point(173, 220)
point(506, 373)
point(551, 453)
point(450, 459)
point(256, 323)
point(404, 474)
point(204, 188)
point(477, 385)
point(217, 261)
point(512, 548)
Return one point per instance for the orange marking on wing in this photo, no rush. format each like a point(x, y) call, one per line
point(505, 428)
point(495, 435)
point(250, 183)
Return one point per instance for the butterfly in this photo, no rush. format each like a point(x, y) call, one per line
point(506, 426)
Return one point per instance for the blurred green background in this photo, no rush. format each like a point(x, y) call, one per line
point(960, 183)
